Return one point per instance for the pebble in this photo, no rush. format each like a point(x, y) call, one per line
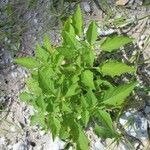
point(20, 146)
point(86, 7)
point(2, 140)
point(147, 109)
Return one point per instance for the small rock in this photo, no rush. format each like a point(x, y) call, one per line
point(147, 109)
point(2, 140)
point(86, 7)
point(20, 146)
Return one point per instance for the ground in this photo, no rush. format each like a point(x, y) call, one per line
point(17, 133)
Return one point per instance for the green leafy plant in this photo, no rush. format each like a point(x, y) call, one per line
point(67, 89)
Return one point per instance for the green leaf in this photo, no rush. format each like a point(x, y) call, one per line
point(115, 42)
point(47, 44)
point(41, 54)
point(39, 119)
point(85, 117)
point(87, 79)
point(70, 40)
point(26, 97)
point(33, 86)
point(91, 98)
point(114, 68)
point(72, 90)
point(105, 119)
point(45, 80)
point(27, 62)
point(78, 21)
point(89, 58)
point(68, 27)
point(116, 96)
point(104, 132)
point(91, 33)
point(82, 142)
point(67, 52)
point(40, 103)
point(55, 126)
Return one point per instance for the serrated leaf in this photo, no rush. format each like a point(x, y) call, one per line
point(104, 132)
point(27, 62)
point(72, 90)
point(67, 52)
point(70, 40)
point(91, 33)
point(41, 53)
point(68, 27)
point(39, 119)
point(87, 79)
point(78, 21)
point(116, 96)
point(64, 134)
point(85, 117)
point(91, 98)
point(115, 42)
point(26, 97)
point(33, 86)
point(114, 68)
point(105, 119)
point(54, 125)
point(47, 44)
point(89, 58)
point(45, 80)
point(40, 103)
point(82, 142)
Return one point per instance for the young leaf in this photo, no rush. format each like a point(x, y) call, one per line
point(24, 96)
point(115, 42)
point(68, 27)
point(40, 103)
point(91, 33)
point(47, 44)
point(104, 132)
point(41, 54)
point(82, 142)
point(87, 79)
point(70, 40)
point(105, 119)
point(116, 96)
point(33, 86)
point(89, 58)
point(85, 117)
point(78, 21)
point(54, 125)
point(27, 62)
point(72, 90)
point(45, 79)
point(114, 68)
point(91, 98)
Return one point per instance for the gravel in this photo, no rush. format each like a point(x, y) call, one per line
point(18, 134)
